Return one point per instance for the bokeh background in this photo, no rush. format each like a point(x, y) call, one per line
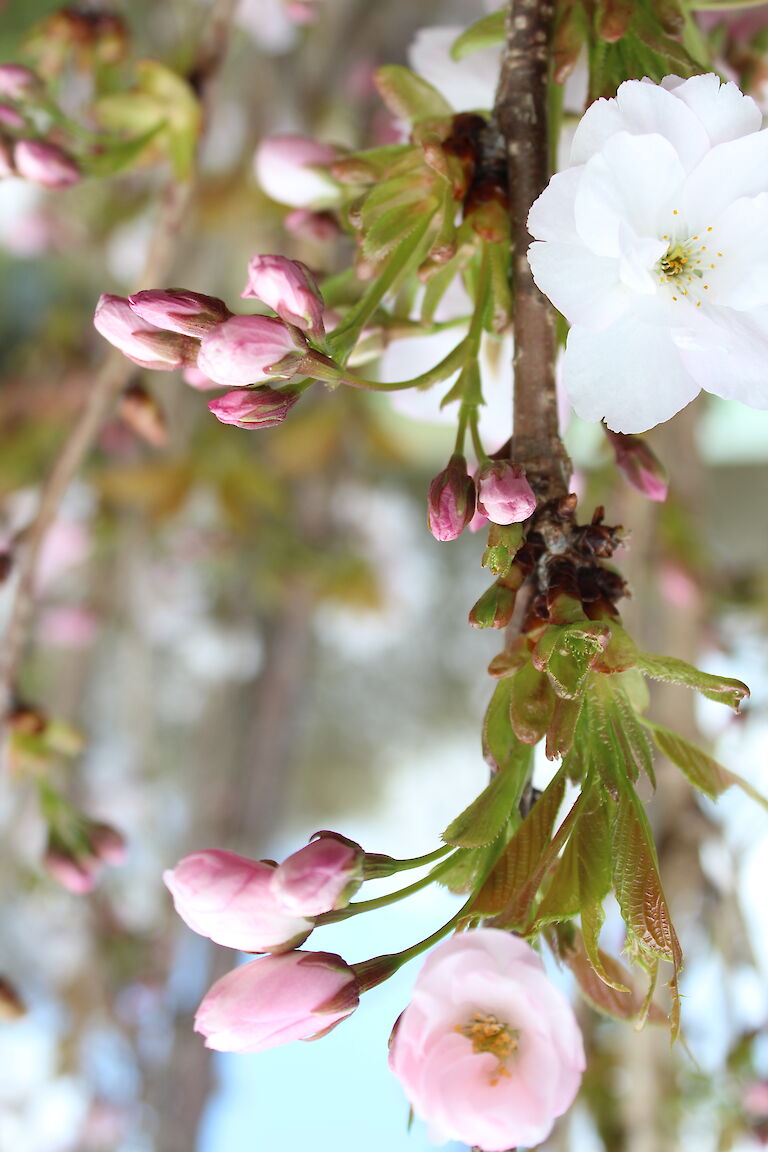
point(247, 637)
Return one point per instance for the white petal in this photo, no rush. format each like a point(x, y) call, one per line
point(733, 361)
point(631, 375)
point(738, 246)
point(466, 84)
point(584, 287)
point(634, 180)
point(641, 109)
point(638, 261)
point(728, 171)
point(552, 215)
point(724, 111)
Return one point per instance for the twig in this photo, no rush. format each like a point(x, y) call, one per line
point(521, 115)
point(109, 380)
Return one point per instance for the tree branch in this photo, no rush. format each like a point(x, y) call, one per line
point(110, 379)
point(521, 113)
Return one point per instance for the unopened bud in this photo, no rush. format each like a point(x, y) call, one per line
point(504, 494)
point(259, 408)
point(639, 465)
point(176, 310)
point(107, 844)
point(319, 878)
point(289, 289)
point(77, 874)
point(45, 164)
point(288, 168)
point(451, 500)
point(10, 118)
point(116, 321)
point(247, 349)
point(309, 225)
point(614, 19)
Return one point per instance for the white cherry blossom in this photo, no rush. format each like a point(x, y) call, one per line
point(654, 246)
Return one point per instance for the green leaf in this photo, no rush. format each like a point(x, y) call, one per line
point(495, 607)
point(180, 109)
point(615, 997)
point(504, 540)
point(468, 868)
point(410, 97)
point(487, 816)
point(394, 226)
point(721, 689)
point(702, 770)
point(482, 34)
point(611, 742)
point(640, 894)
point(531, 703)
point(562, 728)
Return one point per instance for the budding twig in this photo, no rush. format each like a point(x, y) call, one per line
point(111, 378)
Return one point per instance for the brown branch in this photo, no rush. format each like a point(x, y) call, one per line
point(521, 113)
point(109, 380)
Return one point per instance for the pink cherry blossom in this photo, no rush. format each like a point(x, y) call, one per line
point(320, 877)
point(503, 493)
point(274, 1000)
point(288, 288)
point(45, 164)
point(229, 899)
point(16, 81)
point(243, 350)
point(488, 1050)
point(451, 500)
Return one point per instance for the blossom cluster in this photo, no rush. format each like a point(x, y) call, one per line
point(488, 1050)
point(499, 493)
point(22, 151)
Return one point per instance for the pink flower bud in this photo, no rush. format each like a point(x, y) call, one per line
point(488, 1050)
point(320, 877)
point(10, 118)
point(451, 500)
point(286, 168)
point(176, 310)
point(261, 408)
point(639, 465)
point(503, 493)
point(229, 899)
point(145, 345)
point(77, 874)
point(288, 288)
point(318, 226)
point(246, 349)
point(45, 164)
point(197, 379)
point(272, 1001)
point(17, 82)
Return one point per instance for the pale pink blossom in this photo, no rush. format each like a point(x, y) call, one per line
point(289, 289)
point(45, 164)
point(290, 170)
point(276, 999)
point(247, 349)
point(258, 408)
point(504, 494)
point(177, 310)
point(488, 1050)
point(309, 225)
point(10, 118)
point(229, 899)
point(320, 877)
point(640, 465)
point(141, 342)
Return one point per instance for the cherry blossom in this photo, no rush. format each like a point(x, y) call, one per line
point(488, 1050)
point(653, 245)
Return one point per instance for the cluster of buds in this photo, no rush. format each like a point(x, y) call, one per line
point(499, 493)
point(259, 906)
point(88, 39)
point(22, 151)
point(165, 329)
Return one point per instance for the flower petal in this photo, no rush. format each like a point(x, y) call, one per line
point(631, 375)
point(728, 171)
point(633, 181)
point(583, 286)
point(641, 109)
point(724, 111)
point(739, 248)
point(732, 362)
point(552, 214)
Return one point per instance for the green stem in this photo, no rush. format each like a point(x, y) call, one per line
point(343, 339)
point(461, 431)
point(441, 371)
point(394, 865)
point(382, 901)
point(724, 5)
point(380, 968)
point(477, 443)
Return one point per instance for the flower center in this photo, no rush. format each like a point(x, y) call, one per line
point(686, 266)
point(491, 1035)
